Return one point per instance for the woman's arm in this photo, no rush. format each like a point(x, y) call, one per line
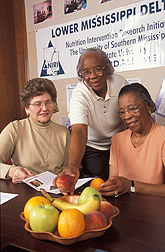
point(77, 144)
point(18, 173)
point(8, 139)
point(122, 185)
point(76, 151)
point(66, 153)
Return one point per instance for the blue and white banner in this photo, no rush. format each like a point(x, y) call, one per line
point(133, 37)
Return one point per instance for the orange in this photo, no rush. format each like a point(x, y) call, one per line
point(71, 222)
point(32, 202)
point(96, 183)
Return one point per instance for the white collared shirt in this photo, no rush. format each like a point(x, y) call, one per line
point(98, 113)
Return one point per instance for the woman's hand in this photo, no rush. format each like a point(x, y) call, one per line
point(115, 185)
point(18, 173)
point(72, 171)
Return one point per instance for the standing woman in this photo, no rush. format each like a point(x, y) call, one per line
point(137, 158)
point(93, 117)
point(35, 144)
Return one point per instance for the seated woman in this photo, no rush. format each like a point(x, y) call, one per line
point(137, 156)
point(35, 144)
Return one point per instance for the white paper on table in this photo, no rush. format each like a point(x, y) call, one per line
point(44, 181)
point(4, 197)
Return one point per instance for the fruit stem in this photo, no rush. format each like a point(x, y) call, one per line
point(47, 195)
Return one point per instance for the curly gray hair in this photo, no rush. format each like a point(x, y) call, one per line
point(102, 55)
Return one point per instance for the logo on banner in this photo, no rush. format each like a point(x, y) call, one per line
point(51, 65)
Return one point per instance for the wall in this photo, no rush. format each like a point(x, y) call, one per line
point(151, 78)
point(13, 51)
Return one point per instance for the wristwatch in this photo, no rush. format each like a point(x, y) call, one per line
point(132, 189)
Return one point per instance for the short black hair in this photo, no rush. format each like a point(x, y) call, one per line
point(141, 92)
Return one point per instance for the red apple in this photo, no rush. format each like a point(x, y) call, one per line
point(95, 220)
point(65, 183)
point(107, 209)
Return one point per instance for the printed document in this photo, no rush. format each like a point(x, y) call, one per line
point(44, 181)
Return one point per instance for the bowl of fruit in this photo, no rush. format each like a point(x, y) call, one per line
point(69, 219)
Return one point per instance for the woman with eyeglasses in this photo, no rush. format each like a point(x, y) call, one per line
point(35, 144)
point(93, 117)
point(137, 157)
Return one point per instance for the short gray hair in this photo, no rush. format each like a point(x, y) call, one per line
point(102, 55)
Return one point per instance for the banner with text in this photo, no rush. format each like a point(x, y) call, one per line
point(133, 37)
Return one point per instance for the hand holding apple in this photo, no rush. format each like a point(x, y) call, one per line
point(43, 218)
point(65, 183)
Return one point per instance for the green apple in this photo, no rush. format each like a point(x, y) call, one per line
point(43, 218)
point(87, 193)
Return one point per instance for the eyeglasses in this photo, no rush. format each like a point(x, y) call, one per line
point(132, 110)
point(39, 105)
point(97, 70)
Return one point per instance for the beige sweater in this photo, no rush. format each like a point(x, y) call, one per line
point(35, 146)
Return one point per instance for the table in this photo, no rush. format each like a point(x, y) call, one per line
point(139, 227)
